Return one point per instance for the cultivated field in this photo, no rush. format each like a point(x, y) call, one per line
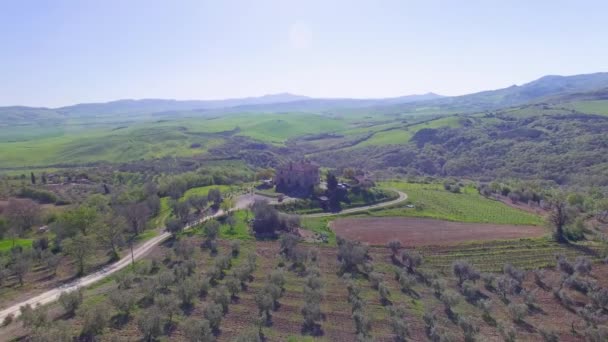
point(547, 313)
point(422, 232)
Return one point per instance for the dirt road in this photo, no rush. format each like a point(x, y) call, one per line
point(402, 197)
point(140, 251)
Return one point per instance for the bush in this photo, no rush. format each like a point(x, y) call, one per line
point(398, 323)
point(198, 330)
point(438, 286)
point(213, 313)
point(221, 296)
point(518, 311)
point(351, 254)
point(384, 293)
point(375, 278)
point(33, 318)
point(150, 324)
point(186, 291)
point(235, 247)
point(469, 328)
point(508, 333)
point(411, 260)
point(548, 335)
point(70, 301)
point(582, 265)
point(564, 265)
point(94, 318)
point(394, 245)
point(8, 320)
point(449, 298)
point(463, 270)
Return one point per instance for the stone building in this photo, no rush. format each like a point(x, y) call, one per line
point(297, 177)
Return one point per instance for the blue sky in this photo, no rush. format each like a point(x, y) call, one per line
point(58, 52)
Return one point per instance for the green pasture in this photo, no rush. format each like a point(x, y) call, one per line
point(7, 244)
point(433, 201)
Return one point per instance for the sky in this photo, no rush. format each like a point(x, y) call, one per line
point(60, 52)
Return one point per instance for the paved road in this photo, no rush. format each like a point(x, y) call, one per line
point(138, 252)
point(241, 203)
point(402, 197)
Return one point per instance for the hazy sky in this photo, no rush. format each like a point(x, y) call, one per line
point(58, 52)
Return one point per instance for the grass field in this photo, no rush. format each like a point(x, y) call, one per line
point(204, 190)
point(7, 244)
point(590, 107)
point(241, 228)
point(116, 139)
point(433, 201)
point(403, 136)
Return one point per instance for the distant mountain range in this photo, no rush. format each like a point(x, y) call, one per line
point(545, 88)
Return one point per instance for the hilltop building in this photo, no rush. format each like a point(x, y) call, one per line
point(297, 177)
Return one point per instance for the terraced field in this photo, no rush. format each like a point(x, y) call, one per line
point(491, 256)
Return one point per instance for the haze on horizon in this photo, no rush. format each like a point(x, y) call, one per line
point(63, 52)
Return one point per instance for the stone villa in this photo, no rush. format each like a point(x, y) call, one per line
point(297, 177)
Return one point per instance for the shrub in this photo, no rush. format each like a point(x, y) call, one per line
point(221, 296)
point(508, 333)
point(8, 320)
point(277, 277)
point(94, 318)
point(530, 299)
point(406, 282)
point(463, 270)
point(70, 301)
point(150, 324)
point(362, 323)
point(233, 285)
point(33, 318)
point(235, 247)
point(204, 285)
point(548, 335)
point(375, 278)
point(384, 293)
point(394, 245)
point(123, 301)
point(539, 278)
point(518, 311)
point(351, 254)
point(505, 286)
point(398, 323)
point(124, 280)
point(411, 260)
point(469, 328)
point(449, 298)
point(599, 297)
point(564, 265)
point(582, 265)
point(213, 313)
point(186, 291)
point(438, 286)
point(198, 330)
point(515, 274)
point(488, 280)
point(469, 290)
point(599, 334)
point(168, 305)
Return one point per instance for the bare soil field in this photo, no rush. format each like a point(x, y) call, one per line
point(423, 232)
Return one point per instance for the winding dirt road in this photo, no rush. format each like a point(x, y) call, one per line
point(402, 197)
point(140, 251)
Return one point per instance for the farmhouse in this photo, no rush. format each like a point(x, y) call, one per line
point(297, 177)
